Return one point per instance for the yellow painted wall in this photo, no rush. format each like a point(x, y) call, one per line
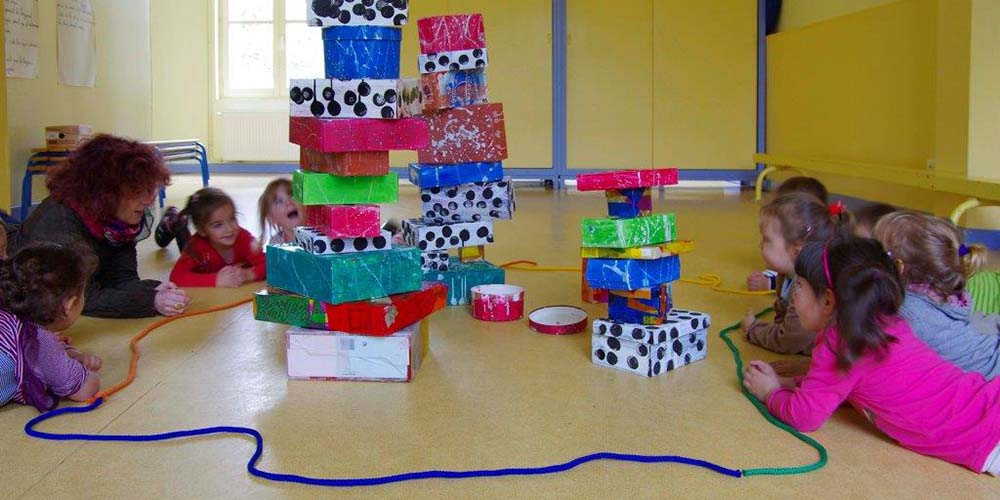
point(799, 13)
point(5, 180)
point(984, 108)
point(951, 137)
point(180, 44)
point(118, 104)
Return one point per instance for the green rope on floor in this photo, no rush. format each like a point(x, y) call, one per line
point(772, 471)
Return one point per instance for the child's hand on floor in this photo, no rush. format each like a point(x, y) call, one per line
point(230, 277)
point(790, 367)
point(748, 320)
point(89, 361)
point(757, 282)
point(760, 379)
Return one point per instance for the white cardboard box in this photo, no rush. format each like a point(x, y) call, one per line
point(332, 98)
point(324, 355)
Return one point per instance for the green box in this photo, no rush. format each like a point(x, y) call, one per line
point(624, 233)
point(316, 188)
point(348, 277)
point(461, 277)
point(278, 306)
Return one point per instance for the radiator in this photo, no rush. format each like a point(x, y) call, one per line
point(256, 136)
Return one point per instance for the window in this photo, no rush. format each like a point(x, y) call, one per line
point(263, 44)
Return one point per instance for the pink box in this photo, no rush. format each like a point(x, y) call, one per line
point(626, 179)
point(357, 134)
point(471, 134)
point(448, 33)
point(345, 221)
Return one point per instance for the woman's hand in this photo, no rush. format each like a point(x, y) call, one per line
point(171, 301)
point(760, 379)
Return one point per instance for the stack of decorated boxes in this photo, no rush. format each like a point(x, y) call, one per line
point(460, 173)
point(357, 303)
point(634, 255)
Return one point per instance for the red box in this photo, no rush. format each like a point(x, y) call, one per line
point(447, 33)
point(352, 164)
point(387, 315)
point(626, 179)
point(345, 221)
point(357, 134)
point(466, 135)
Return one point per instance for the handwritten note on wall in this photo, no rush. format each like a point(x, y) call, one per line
point(20, 29)
point(76, 43)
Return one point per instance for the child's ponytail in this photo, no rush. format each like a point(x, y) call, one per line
point(973, 258)
point(35, 281)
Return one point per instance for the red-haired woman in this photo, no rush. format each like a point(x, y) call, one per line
point(99, 201)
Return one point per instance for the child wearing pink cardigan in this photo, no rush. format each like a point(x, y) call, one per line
point(868, 356)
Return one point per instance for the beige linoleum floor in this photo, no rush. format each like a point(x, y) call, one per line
point(489, 396)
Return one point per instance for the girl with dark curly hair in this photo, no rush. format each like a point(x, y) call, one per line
point(99, 200)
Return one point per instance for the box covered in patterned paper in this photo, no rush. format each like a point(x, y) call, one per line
point(676, 247)
point(357, 134)
point(316, 242)
point(387, 315)
point(311, 188)
point(453, 89)
point(352, 52)
point(647, 306)
point(626, 179)
point(626, 274)
point(468, 202)
point(345, 221)
point(623, 233)
point(453, 60)
point(344, 277)
point(330, 355)
point(629, 203)
point(679, 323)
point(411, 97)
point(456, 32)
point(465, 135)
point(332, 98)
point(434, 261)
point(324, 13)
point(648, 360)
point(428, 237)
point(278, 306)
point(426, 176)
point(461, 277)
point(350, 164)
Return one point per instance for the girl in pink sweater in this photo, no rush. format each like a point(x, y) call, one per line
point(866, 354)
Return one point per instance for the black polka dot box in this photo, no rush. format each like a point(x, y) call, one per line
point(434, 261)
point(454, 60)
point(316, 242)
point(428, 237)
point(322, 13)
point(651, 350)
point(468, 202)
point(332, 98)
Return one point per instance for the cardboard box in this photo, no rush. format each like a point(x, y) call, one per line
point(434, 261)
point(322, 13)
point(352, 164)
point(316, 242)
point(446, 33)
point(676, 247)
point(646, 306)
point(465, 135)
point(680, 323)
point(461, 277)
point(629, 203)
point(387, 315)
point(358, 134)
point(329, 355)
point(330, 98)
point(645, 359)
point(353, 52)
point(472, 254)
point(453, 89)
point(428, 237)
point(411, 97)
point(456, 60)
point(345, 221)
point(310, 188)
point(68, 135)
point(591, 295)
point(278, 306)
point(621, 274)
point(623, 233)
point(626, 179)
point(426, 176)
point(348, 277)
point(468, 202)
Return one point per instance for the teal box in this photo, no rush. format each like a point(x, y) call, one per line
point(462, 276)
point(339, 278)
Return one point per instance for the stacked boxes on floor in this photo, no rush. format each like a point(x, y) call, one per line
point(357, 302)
point(634, 255)
point(460, 173)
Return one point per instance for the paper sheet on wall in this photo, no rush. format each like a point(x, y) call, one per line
point(20, 27)
point(77, 43)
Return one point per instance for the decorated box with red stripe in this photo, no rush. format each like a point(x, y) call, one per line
point(626, 179)
point(359, 134)
point(468, 134)
point(387, 315)
point(448, 33)
point(345, 221)
point(350, 164)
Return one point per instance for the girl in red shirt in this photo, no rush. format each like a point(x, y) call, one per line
point(221, 254)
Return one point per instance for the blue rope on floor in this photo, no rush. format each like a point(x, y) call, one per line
point(29, 428)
